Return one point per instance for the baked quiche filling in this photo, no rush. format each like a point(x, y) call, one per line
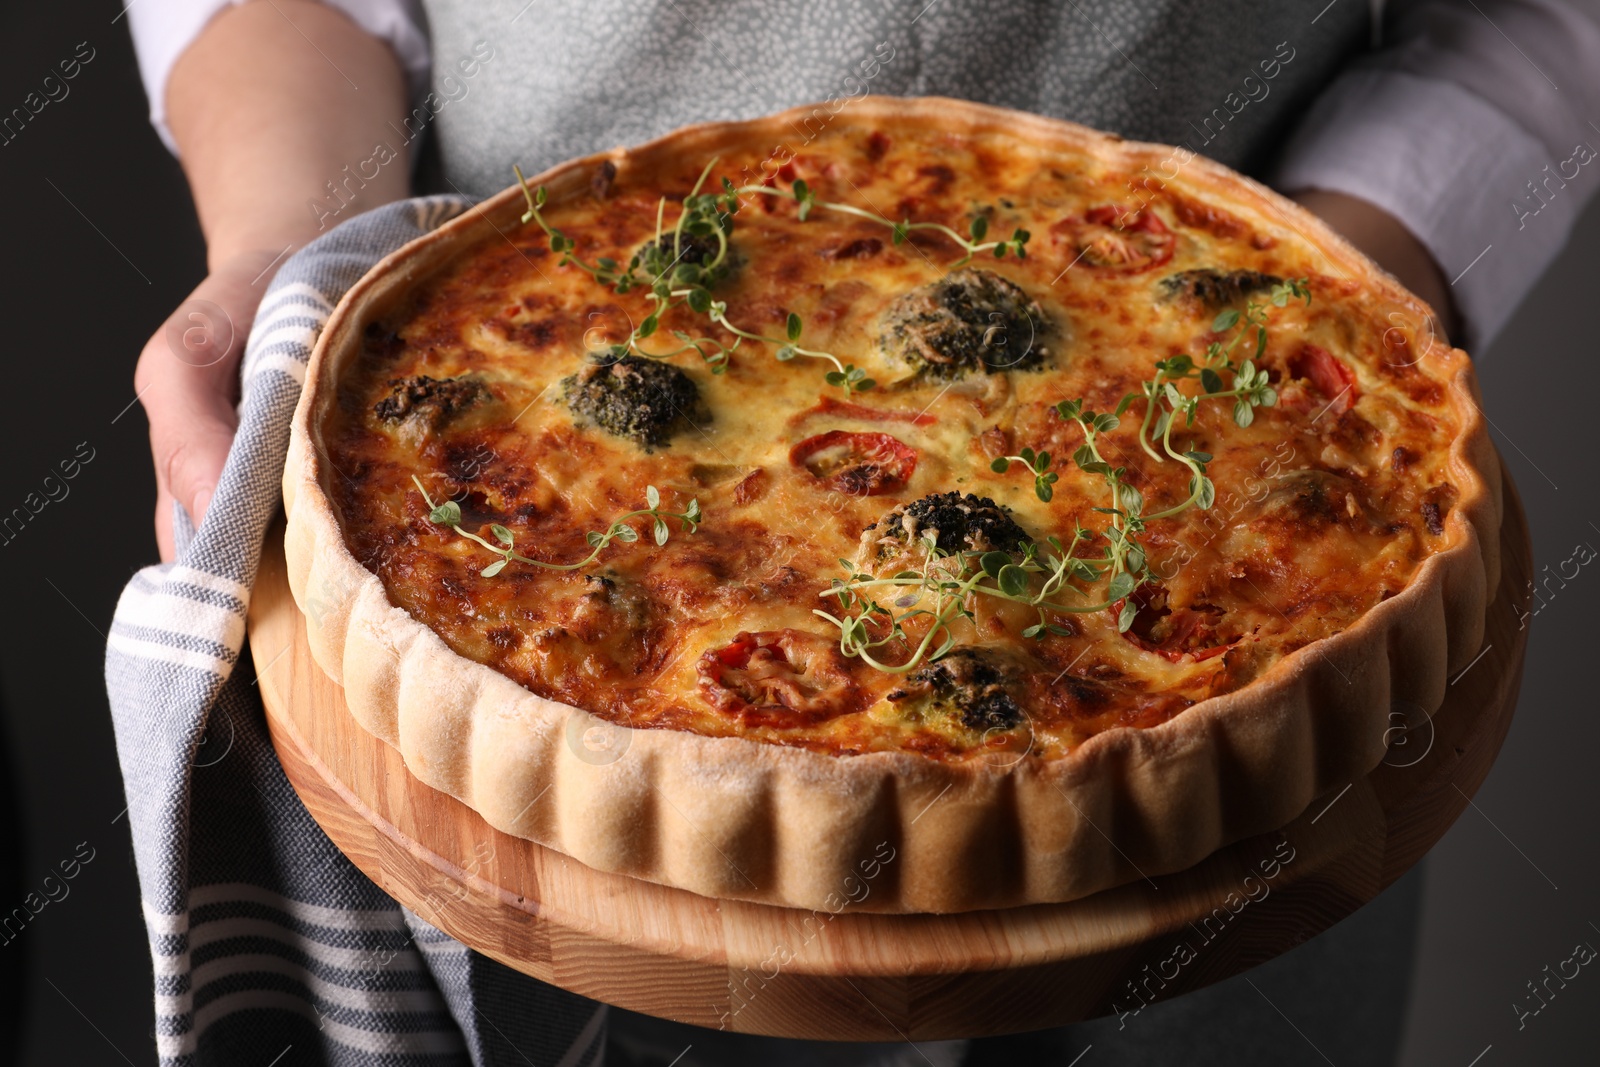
point(942, 444)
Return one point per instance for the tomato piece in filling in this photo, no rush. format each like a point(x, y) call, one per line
point(783, 678)
point(1117, 238)
point(857, 464)
point(1173, 634)
point(1328, 373)
point(829, 406)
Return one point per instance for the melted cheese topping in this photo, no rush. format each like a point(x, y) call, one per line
point(1325, 505)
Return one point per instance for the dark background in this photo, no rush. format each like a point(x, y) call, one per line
point(100, 244)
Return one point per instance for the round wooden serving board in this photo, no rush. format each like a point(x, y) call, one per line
point(768, 970)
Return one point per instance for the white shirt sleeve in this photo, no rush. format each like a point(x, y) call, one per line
point(162, 29)
point(1473, 126)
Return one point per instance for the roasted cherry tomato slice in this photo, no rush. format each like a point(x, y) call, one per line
point(857, 464)
point(1116, 238)
point(782, 678)
point(1325, 371)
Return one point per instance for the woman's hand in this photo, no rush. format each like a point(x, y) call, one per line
point(1385, 238)
point(274, 107)
point(188, 381)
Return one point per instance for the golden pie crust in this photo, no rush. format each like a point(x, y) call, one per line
point(806, 818)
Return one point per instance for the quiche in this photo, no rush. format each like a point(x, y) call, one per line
point(1037, 509)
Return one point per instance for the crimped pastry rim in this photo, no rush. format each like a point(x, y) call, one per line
point(887, 831)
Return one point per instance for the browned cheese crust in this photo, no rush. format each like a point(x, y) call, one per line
point(1326, 504)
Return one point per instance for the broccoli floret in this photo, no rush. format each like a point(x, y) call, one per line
point(696, 250)
point(969, 320)
point(431, 401)
point(958, 522)
point(643, 400)
point(970, 684)
point(1217, 289)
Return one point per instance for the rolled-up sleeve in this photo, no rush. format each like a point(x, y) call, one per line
point(1473, 125)
point(162, 29)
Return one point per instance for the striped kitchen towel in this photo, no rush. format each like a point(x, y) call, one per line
point(267, 942)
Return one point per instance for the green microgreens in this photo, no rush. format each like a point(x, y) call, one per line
point(448, 513)
point(1293, 289)
point(953, 581)
point(943, 591)
point(806, 197)
point(660, 267)
point(1250, 388)
point(1125, 556)
point(672, 282)
point(1033, 577)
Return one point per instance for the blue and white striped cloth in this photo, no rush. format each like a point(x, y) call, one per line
point(267, 942)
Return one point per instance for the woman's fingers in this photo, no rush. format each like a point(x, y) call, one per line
point(188, 381)
point(1386, 239)
point(166, 544)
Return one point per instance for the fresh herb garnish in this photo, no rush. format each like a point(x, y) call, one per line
point(901, 231)
point(1249, 390)
point(942, 591)
point(1038, 465)
point(448, 514)
point(952, 580)
point(675, 279)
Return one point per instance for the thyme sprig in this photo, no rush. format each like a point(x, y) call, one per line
point(448, 513)
point(951, 582)
point(1250, 387)
point(674, 281)
point(1038, 464)
point(1034, 577)
point(1040, 576)
point(971, 245)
